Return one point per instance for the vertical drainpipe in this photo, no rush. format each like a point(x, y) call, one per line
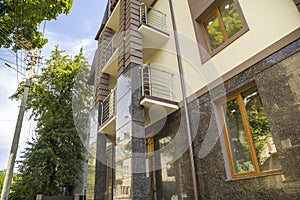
point(183, 90)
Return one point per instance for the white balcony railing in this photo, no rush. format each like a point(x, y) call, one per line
point(108, 108)
point(157, 83)
point(152, 17)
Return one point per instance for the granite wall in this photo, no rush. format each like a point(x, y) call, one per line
point(278, 81)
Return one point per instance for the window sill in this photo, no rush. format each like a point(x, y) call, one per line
point(255, 176)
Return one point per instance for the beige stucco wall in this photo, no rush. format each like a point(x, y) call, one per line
point(268, 22)
point(164, 57)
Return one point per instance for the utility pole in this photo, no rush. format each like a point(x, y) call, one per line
point(15, 143)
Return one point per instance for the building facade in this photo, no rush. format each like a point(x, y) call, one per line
point(196, 99)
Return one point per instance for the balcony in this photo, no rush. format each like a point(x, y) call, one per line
point(152, 17)
point(113, 15)
point(111, 58)
point(108, 114)
point(158, 87)
point(153, 28)
point(158, 93)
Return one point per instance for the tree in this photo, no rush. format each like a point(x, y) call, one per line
point(2, 176)
point(54, 158)
point(19, 21)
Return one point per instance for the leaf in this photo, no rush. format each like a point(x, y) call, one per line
point(55, 157)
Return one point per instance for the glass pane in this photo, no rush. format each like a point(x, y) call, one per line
point(214, 32)
point(110, 170)
point(230, 17)
point(237, 137)
point(262, 138)
point(173, 178)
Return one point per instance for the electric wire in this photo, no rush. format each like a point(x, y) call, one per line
point(21, 43)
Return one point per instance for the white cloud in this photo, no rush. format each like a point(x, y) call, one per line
point(70, 45)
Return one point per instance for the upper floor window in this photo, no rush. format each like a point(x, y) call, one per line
point(222, 26)
point(248, 137)
point(125, 170)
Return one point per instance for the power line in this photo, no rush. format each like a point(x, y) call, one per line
point(15, 143)
point(8, 61)
point(18, 43)
point(14, 69)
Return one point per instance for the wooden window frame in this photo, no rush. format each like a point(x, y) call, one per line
point(150, 146)
point(205, 52)
point(257, 171)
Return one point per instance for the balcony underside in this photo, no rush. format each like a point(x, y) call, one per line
point(153, 40)
point(148, 2)
point(111, 67)
point(113, 20)
point(157, 108)
point(109, 127)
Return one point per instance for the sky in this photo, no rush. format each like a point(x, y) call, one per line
point(77, 29)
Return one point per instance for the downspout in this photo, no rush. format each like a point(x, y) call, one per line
point(183, 90)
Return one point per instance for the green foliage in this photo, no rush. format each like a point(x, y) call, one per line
point(214, 32)
point(55, 157)
point(20, 19)
point(231, 21)
point(2, 177)
point(260, 129)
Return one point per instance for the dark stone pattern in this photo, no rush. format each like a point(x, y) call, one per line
point(175, 127)
point(280, 91)
point(139, 179)
point(135, 127)
point(100, 172)
point(277, 79)
point(57, 198)
point(137, 111)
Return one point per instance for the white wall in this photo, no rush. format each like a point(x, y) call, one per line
point(268, 22)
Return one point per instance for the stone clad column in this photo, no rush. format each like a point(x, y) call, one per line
point(131, 180)
point(100, 172)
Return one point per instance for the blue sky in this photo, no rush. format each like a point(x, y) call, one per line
point(78, 29)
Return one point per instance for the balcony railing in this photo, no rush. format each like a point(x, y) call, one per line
point(157, 83)
point(108, 107)
point(112, 5)
point(152, 17)
point(110, 48)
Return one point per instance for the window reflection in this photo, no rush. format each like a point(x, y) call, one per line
point(223, 23)
point(251, 146)
point(172, 179)
point(237, 136)
point(109, 169)
point(262, 137)
point(230, 17)
point(214, 32)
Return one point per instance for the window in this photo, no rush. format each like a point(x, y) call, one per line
point(150, 145)
point(248, 138)
point(125, 170)
point(223, 25)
